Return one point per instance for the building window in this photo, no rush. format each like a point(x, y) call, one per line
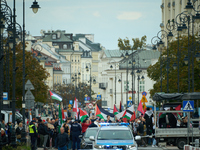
point(83, 65)
point(125, 88)
point(65, 46)
point(54, 36)
point(142, 86)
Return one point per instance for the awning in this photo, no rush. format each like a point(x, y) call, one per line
point(176, 96)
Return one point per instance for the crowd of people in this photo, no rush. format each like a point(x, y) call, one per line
point(50, 133)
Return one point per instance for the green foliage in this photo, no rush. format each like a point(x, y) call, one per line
point(124, 44)
point(68, 92)
point(154, 70)
point(35, 73)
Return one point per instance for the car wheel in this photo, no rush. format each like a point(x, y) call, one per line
point(181, 142)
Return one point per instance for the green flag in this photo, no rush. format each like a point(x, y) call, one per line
point(60, 118)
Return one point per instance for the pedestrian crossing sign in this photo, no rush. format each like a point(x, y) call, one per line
point(188, 106)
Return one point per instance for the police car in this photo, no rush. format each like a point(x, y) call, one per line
point(114, 136)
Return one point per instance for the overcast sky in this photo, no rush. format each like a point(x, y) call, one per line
point(106, 19)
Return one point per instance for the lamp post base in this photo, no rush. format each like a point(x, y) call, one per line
point(13, 137)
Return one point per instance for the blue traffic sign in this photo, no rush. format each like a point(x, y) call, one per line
point(98, 97)
point(188, 106)
point(85, 98)
point(5, 95)
point(144, 93)
point(129, 103)
point(88, 98)
point(70, 101)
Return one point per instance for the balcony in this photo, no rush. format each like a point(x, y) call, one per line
point(103, 85)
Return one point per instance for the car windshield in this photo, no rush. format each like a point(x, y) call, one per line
point(89, 133)
point(114, 135)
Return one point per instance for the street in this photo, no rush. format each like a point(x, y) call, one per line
point(143, 148)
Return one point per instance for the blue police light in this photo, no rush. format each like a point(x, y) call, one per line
point(113, 124)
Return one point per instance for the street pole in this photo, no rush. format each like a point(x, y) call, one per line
point(167, 66)
point(23, 81)
point(188, 19)
point(178, 57)
point(90, 82)
point(127, 84)
point(115, 85)
point(132, 73)
point(1, 74)
point(13, 137)
point(138, 88)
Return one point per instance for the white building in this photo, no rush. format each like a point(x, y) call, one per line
point(171, 8)
point(107, 76)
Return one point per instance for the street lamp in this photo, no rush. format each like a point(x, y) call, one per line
point(35, 7)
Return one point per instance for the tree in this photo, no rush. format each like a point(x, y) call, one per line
point(154, 70)
point(68, 92)
point(124, 44)
point(35, 73)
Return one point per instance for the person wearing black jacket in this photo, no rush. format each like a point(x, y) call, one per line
point(148, 118)
point(140, 130)
point(76, 131)
point(92, 124)
point(4, 139)
point(46, 135)
point(62, 139)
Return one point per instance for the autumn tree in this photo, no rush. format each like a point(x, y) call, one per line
point(154, 70)
point(34, 72)
point(124, 44)
point(67, 92)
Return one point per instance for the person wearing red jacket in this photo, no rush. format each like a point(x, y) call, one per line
point(85, 125)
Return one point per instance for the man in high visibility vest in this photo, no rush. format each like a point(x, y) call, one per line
point(33, 134)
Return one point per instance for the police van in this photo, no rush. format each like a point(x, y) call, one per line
point(114, 136)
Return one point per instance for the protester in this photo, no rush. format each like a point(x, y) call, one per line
point(62, 139)
point(108, 119)
point(4, 139)
point(19, 132)
point(85, 125)
point(46, 135)
point(92, 124)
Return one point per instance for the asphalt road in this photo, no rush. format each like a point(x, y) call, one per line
point(142, 148)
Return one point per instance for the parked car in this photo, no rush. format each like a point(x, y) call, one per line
point(86, 143)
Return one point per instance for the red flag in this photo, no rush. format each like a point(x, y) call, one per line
point(115, 111)
point(120, 107)
point(63, 115)
point(140, 108)
point(178, 108)
point(133, 116)
point(75, 107)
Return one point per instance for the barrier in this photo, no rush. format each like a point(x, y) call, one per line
point(189, 147)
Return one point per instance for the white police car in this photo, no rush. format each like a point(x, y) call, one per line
point(114, 136)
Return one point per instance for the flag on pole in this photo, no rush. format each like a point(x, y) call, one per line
point(115, 111)
point(82, 114)
point(60, 118)
point(102, 113)
point(75, 107)
point(55, 96)
point(140, 108)
point(120, 107)
point(129, 112)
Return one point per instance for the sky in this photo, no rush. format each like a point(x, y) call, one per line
point(108, 20)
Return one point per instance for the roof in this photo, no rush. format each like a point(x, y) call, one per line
point(63, 37)
point(112, 53)
point(48, 48)
point(142, 59)
point(176, 96)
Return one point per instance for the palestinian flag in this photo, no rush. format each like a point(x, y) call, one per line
point(82, 114)
point(115, 111)
point(102, 113)
point(55, 96)
point(129, 112)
